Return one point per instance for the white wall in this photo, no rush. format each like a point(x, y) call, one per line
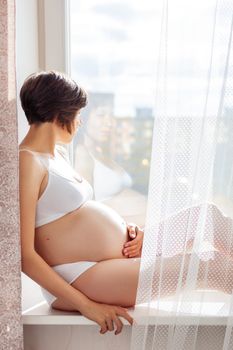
point(26, 51)
point(87, 337)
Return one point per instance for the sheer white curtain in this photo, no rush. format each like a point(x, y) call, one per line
point(188, 248)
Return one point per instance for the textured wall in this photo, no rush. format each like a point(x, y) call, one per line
point(11, 329)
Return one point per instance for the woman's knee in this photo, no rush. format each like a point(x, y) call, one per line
point(63, 305)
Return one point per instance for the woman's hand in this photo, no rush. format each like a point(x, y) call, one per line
point(106, 315)
point(133, 248)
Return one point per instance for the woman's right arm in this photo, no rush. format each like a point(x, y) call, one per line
point(31, 174)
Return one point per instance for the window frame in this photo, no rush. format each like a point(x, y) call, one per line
point(54, 22)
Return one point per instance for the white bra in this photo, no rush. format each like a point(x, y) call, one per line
point(63, 193)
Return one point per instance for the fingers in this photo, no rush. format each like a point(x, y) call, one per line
point(104, 327)
point(132, 251)
point(110, 325)
point(132, 248)
point(110, 319)
point(131, 243)
point(122, 312)
point(136, 240)
point(119, 325)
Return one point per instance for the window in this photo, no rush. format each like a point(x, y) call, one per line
point(112, 58)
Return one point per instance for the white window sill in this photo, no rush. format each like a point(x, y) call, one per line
point(209, 308)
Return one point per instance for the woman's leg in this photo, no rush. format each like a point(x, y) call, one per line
point(171, 273)
point(115, 281)
point(111, 281)
point(184, 225)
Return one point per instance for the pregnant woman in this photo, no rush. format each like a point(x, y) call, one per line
point(82, 253)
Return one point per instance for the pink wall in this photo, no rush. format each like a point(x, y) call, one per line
point(11, 329)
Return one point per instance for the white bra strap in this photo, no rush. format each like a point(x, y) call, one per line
point(37, 154)
point(34, 152)
point(25, 149)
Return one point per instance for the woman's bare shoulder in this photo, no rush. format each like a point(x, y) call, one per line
point(30, 163)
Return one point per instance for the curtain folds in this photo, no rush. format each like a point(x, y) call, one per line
point(186, 273)
point(11, 330)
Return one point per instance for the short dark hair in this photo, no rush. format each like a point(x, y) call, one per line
point(46, 96)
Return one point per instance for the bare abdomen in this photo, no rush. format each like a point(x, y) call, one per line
point(94, 232)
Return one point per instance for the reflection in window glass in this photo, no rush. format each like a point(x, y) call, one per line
point(112, 58)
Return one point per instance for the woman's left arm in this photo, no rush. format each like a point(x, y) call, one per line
point(133, 248)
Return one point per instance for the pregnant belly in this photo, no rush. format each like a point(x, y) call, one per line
point(93, 232)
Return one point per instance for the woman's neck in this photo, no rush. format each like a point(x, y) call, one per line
point(40, 138)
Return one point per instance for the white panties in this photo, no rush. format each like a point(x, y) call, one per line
point(69, 272)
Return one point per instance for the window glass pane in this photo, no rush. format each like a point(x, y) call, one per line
point(113, 59)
